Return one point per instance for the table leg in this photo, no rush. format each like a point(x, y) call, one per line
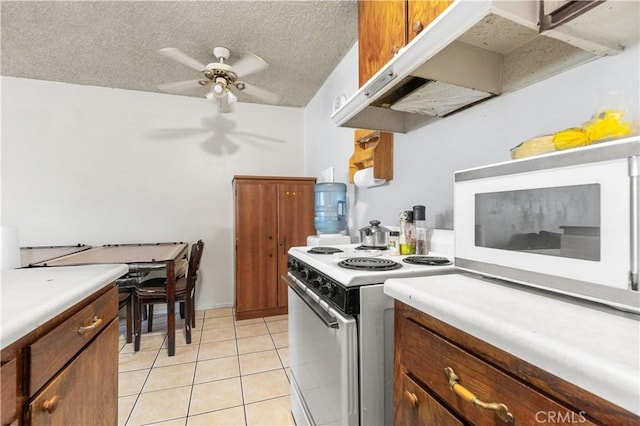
point(171, 308)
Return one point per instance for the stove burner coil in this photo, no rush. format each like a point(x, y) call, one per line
point(324, 250)
point(369, 264)
point(371, 248)
point(427, 260)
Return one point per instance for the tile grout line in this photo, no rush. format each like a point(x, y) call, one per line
point(198, 342)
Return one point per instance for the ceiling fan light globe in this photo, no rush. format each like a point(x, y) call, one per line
point(218, 90)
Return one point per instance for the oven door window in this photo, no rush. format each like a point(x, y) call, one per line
point(556, 221)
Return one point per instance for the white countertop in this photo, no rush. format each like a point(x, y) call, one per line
point(33, 296)
point(590, 345)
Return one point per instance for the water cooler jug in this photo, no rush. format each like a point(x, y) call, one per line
point(330, 208)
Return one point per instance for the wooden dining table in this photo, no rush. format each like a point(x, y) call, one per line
point(30, 256)
point(139, 258)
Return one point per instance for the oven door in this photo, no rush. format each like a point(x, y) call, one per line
point(323, 356)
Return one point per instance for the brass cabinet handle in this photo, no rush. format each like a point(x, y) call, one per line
point(500, 409)
point(412, 398)
point(417, 26)
point(96, 322)
point(50, 404)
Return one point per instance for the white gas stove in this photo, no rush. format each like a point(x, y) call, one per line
point(341, 328)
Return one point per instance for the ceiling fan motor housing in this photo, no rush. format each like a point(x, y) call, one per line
point(222, 53)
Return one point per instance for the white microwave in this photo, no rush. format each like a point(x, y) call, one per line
point(566, 222)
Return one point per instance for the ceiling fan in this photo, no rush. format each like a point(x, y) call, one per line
point(219, 79)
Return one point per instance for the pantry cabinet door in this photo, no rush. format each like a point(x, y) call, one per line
point(256, 227)
point(295, 222)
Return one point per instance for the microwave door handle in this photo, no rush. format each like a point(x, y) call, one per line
point(324, 316)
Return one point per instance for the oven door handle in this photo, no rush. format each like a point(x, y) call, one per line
point(324, 316)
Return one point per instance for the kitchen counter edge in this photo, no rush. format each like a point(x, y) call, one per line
point(33, 296)
point(587, 344)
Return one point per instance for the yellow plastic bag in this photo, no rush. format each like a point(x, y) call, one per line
point(606, 124)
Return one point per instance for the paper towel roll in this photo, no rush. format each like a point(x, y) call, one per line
point(10, 247)
point(364, 179)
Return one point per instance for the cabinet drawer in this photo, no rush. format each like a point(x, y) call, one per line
point(8, 380)
point(416, 407)
point(85, 392)
point(50, 353)
point(426, 358)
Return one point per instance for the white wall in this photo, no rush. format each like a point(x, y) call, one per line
point(426, 158)
point(94, 165)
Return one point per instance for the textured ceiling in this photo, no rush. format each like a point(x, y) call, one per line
point(114, 43)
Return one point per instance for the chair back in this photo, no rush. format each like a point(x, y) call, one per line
point(194, 265)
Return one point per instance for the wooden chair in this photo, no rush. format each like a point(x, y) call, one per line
point(153, 291)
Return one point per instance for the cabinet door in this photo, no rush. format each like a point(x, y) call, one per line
point(9, 385)
point(86, 391)
point(256, 230)
point(381, 33)
point(421, 13)
point(295, 223)
point(416, 407)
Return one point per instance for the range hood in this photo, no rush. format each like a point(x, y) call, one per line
point(478, 49)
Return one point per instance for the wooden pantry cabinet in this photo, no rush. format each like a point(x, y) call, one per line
point(66, 371)
point(439, 370)
point(272, 214)
point(384, 27)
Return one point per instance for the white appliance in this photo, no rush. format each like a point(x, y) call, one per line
point(341, 330)
point(567, 222)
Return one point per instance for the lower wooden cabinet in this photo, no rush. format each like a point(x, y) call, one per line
point(86, 391)
point(443, 376)
point(66, 371)
point(9, 383)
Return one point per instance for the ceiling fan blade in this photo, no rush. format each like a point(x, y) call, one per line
point(183, 58)
point(260, 93)
point(180, 86)
point(249, 64)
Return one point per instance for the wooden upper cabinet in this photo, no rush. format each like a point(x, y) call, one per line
point(422, 13)
point(386, 26)
point(381, 33)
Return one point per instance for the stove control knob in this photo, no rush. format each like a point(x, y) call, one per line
point(305, 273)
point(317, 282)
point(325, 289)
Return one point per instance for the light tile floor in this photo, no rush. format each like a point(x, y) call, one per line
point(233, 373)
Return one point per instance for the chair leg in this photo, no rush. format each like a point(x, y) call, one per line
point(185, 307)
point(137, 325)
point(150, 318)
point(192, 314)
point(129, 317)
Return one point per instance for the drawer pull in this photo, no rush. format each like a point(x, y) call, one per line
point(96, 322)
point(50, 404)
point(412, 398)
point(500, 409)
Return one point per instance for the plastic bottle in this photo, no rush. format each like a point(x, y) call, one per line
point(407, 242)
point(419, 217)
point(394, 243)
